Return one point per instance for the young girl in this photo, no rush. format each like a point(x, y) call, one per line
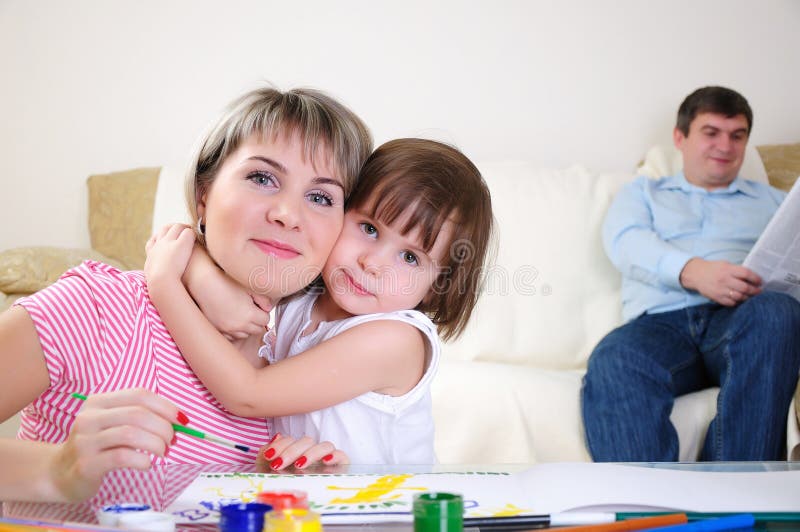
point(359, 352)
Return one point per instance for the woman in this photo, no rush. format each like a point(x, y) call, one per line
point(95, 331)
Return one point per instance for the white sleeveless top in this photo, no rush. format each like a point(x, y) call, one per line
point(373, 428)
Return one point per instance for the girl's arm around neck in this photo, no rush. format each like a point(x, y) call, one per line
point(383, 356)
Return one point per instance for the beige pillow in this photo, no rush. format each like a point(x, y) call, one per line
point(120, 213)
point(28, 269)
point(782, 162)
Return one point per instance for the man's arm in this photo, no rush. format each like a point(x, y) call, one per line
point(637, 250)
point(633, 245)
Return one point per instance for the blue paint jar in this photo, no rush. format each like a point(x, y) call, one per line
point(243, 516)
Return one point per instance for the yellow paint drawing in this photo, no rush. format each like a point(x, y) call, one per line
point(245, 495)
point(376, 491)
point(505, 511)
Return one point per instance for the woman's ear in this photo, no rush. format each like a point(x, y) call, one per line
point(201, 204)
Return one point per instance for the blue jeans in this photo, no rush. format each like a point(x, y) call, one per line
point(751, 351)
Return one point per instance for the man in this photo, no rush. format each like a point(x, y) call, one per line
point(695, 317)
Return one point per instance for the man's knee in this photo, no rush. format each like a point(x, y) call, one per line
point(774, 309)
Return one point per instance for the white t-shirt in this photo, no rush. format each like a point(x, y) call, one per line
point(372, 428)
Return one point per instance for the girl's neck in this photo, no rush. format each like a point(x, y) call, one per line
point(326, 309)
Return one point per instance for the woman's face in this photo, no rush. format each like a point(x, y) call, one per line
point(271, 216)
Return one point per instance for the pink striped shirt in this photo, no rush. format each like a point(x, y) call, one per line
point(100, 332)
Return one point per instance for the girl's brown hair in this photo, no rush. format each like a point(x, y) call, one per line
point(434, 182)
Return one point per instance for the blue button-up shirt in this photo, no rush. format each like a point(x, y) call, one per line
point(654, 226)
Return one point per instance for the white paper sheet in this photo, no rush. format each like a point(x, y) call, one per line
point(544, 488)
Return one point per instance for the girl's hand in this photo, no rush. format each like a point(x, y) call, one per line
point(285, 451)
point(233, 311)
point(110, 432)
point(168, 253)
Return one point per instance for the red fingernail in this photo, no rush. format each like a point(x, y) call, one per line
point(275, 464)
point(275, 437)
point(182, 419)
point(300, 462)
point(174, 439)
point(269, 453)
point(327, 458)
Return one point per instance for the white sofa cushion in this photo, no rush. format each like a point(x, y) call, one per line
point(487, 412)
point(169, 205)
point(552, 292)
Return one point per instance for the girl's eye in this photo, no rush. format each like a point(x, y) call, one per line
point(409, 258)
point(321, 198)
point(262, 178)
point(368, 228)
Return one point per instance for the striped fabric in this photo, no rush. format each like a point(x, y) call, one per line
point(100, 332)
point(158, 487)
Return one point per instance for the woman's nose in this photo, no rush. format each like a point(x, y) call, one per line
point(284, 210)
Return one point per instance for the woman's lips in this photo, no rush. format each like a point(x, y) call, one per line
point(277, 249)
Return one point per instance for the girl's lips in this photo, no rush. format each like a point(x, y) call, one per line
point(357, 288)
point(277, 249)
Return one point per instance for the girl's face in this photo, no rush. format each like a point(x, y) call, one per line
point(375, 268)
point(271, 216)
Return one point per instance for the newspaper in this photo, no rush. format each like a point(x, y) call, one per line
point(776, 254)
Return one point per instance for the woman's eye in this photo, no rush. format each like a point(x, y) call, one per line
point(262, 178)
point(320, 198)
point(409, 258)
point(368, 228)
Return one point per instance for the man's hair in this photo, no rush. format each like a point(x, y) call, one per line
point(433, 183)
point(718, 100)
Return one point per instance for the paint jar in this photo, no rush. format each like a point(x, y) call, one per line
point(438, 512)
point(281, 500)
point(148, 521)
point(243, 516)
point(109, 515)
point(292, 520)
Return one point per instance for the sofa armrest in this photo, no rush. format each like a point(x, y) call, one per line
point(28, 269)
point(782, 162)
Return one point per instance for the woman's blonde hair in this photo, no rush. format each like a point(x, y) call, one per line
point(319, 120)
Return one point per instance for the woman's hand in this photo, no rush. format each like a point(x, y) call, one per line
point(285, 451)
point(113, 430)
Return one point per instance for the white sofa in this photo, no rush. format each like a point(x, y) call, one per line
point(509, 389)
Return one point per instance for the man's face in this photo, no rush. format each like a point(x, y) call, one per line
point(713, 150)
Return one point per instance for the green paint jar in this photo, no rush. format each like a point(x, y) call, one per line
point(438, 512)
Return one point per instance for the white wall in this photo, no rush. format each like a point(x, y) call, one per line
point(91, 86)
